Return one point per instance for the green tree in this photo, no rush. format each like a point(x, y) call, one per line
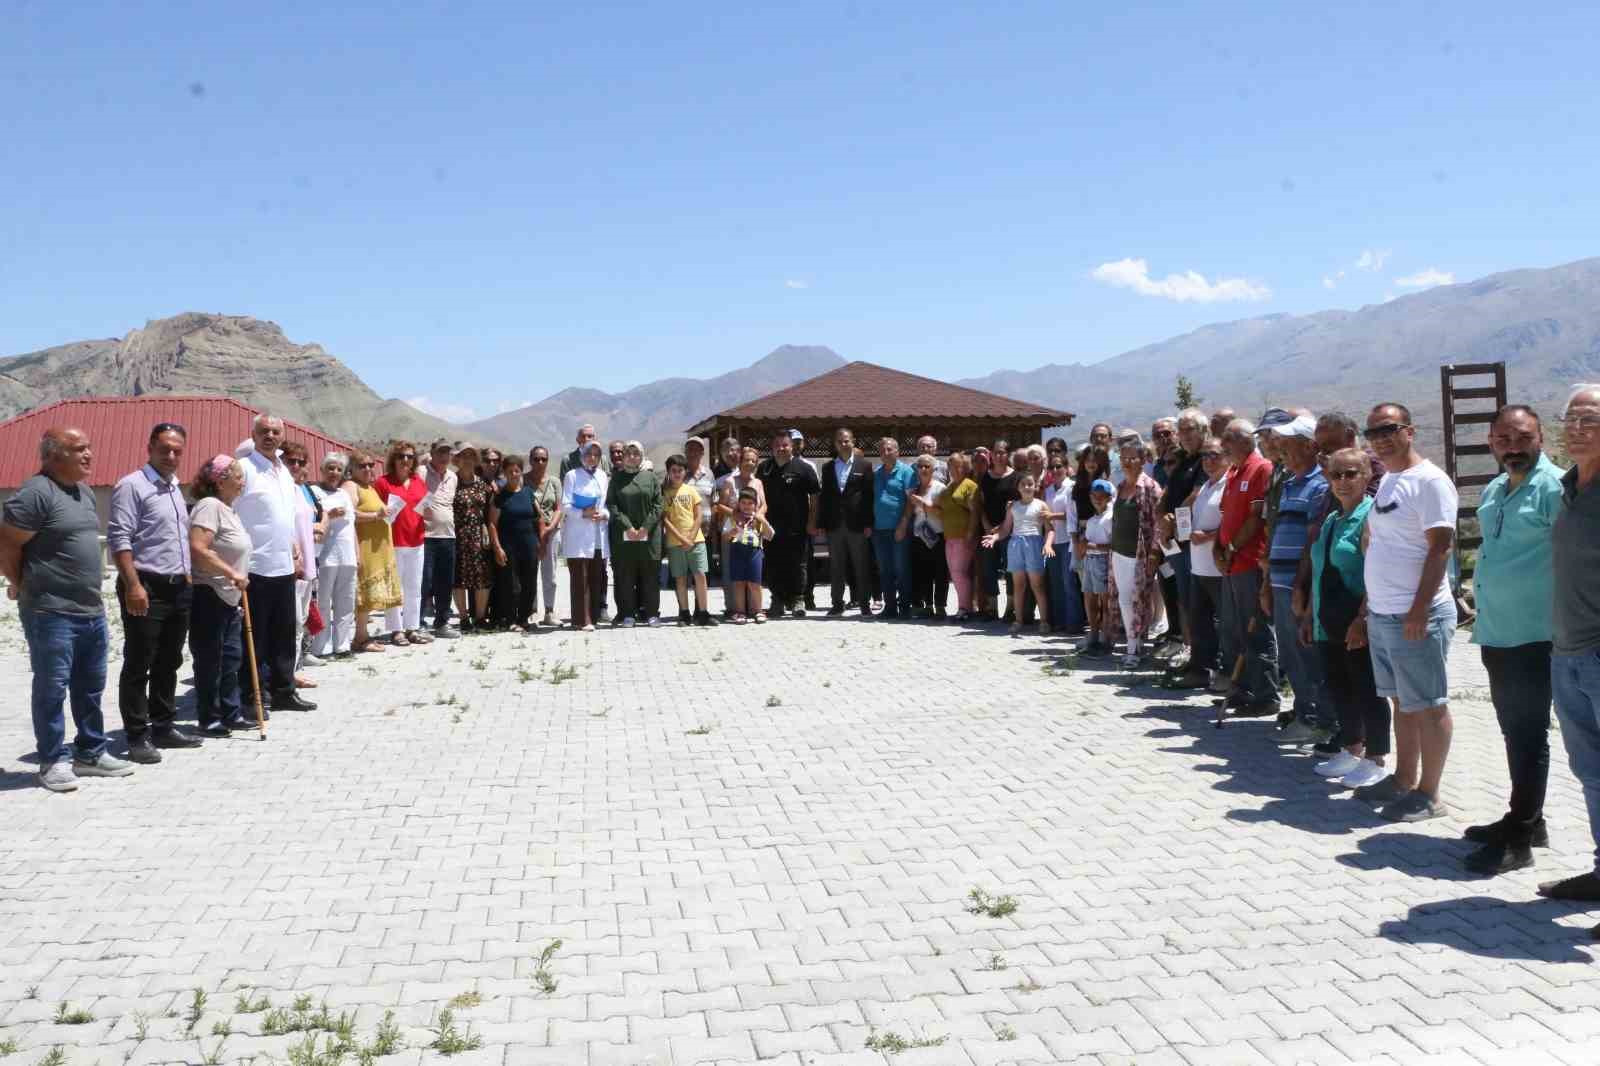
point(1186, 397)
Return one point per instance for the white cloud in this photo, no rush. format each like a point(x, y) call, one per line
point(1373, 259)
point(797, 283)
point(450, 412)
point(1188, 287)
point(1426, 279)
point(1331, 281)
point(512, 405)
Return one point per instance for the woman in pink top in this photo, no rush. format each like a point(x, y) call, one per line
point(400, 478)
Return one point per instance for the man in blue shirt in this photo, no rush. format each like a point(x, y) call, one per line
point(1513, 586)
point(1303, 497)
point(892, 483)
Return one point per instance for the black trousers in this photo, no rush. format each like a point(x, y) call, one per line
point(785, 567)
point(1519, 685)
point(1363, 714)
point(930, 575)
point(1204, 595)
point(516, 584)
point(638, 579)
point(216, 641)
point(584, 574)
point(272, 610)
point(152, 651)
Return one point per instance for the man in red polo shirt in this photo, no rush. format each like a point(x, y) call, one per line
point(1238, 547)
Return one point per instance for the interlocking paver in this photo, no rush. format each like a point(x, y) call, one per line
point(774, 889)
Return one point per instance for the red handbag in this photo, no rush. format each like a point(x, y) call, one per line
point(314, 622)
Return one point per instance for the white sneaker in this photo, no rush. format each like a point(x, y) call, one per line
point(59, 777)
point(309, 660)
point(627, 623)
point(105, 765)
point(1366, 773)
point(1338, 766)
point(655, 621)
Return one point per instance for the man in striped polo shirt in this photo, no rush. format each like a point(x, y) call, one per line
point(1303, 496)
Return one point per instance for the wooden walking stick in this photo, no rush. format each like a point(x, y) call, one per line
point(1238, 670)
point(255, 674)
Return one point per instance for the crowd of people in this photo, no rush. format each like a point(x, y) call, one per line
point(1284, 565)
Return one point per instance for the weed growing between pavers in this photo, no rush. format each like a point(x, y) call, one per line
point(448, 1040)
point(980, 902)
point(1028, 985)
point(996, 963)
point(214, 1056)
point(8, 1046)
point(1005, 1032)
point(699, 731)
point(66, 1014)
point(301, 1018)
point(465, 1000)
point(54, 1057)
point(197, 1007)
point(541, 974)
point(891, 1042)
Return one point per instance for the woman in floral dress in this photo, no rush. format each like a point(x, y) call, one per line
point(472, 540)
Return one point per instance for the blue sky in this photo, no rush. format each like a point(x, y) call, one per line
point(482, 203)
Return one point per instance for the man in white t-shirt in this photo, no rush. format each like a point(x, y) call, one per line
point(1409, 613)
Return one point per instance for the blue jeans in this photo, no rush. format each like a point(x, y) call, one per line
point(1302, 664)
point(216, 643)
point(67, 653)
point(438, 576)
point(1575, 679)
point(894, 568)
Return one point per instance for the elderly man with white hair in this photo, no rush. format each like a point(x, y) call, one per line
point(1575, 652)
point(267, 507)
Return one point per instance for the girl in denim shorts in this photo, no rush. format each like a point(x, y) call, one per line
point(1032, 534)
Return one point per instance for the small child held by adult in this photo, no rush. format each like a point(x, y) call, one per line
point(747, 532)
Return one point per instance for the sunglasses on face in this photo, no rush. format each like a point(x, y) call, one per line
point(1211, 455)
point(1345, 475)
point(368, 465)
point(1166, 433)
point(1388, 429)
point(294, 462)
point(407, 458)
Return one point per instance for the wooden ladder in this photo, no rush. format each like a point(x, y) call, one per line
point(1470, 466)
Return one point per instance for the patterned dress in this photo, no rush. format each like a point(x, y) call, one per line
point(472, 534)
point(377, 574)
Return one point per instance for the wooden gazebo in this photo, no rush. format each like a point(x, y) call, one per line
point(872, 402)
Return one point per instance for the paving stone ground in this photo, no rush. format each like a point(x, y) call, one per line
point(755, 845)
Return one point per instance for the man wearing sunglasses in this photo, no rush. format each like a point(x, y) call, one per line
point(1410, 613)
point(1575, 657)
point(1514, 584)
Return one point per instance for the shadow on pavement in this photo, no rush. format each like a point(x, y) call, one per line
point(1494, 928)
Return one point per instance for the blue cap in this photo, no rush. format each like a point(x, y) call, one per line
point(1102, 485)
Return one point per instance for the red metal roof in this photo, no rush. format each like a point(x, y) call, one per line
point(119, 432)
point(867, 391)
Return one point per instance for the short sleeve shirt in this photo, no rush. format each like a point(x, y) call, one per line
point(1409, 503)
point(1514, 583)
point(680, 514)
point(1244, 494)
point(61, 563)
point(889, 491)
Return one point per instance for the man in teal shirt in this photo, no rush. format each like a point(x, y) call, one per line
point(1514, 585)
point(892, 483)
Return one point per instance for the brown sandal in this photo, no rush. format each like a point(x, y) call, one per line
point(368, 645)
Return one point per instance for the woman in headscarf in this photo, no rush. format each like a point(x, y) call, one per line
point(473, 572)
point(1135, 546)
point(633, 498)
point(377, 576)
point(584, 540)
point(219, 553)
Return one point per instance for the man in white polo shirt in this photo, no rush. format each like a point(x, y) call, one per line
point(1410, 614)
point(266, 508)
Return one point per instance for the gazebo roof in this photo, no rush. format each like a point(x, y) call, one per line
point(867, 391)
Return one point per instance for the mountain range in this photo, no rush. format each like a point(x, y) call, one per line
point(1544, 323)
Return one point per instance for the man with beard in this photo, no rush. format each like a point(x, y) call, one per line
point(1514, 585)
point(792, 488)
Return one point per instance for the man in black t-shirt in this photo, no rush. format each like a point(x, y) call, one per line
point(791, 486)
point(1182, 479)
point(997, 490)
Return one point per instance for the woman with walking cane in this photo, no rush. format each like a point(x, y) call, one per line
point(220, 550)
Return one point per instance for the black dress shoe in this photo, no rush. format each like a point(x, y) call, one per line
point(1502, 831)
point(1258, 709)
point(291, 701)
point(215, 731)
point(836, 610)
point(174, 737)
point(1492, 859)
point(142, 751)
point(1584, 888)
point(241, 723)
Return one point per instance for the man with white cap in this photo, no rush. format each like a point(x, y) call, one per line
point(1302, 495)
